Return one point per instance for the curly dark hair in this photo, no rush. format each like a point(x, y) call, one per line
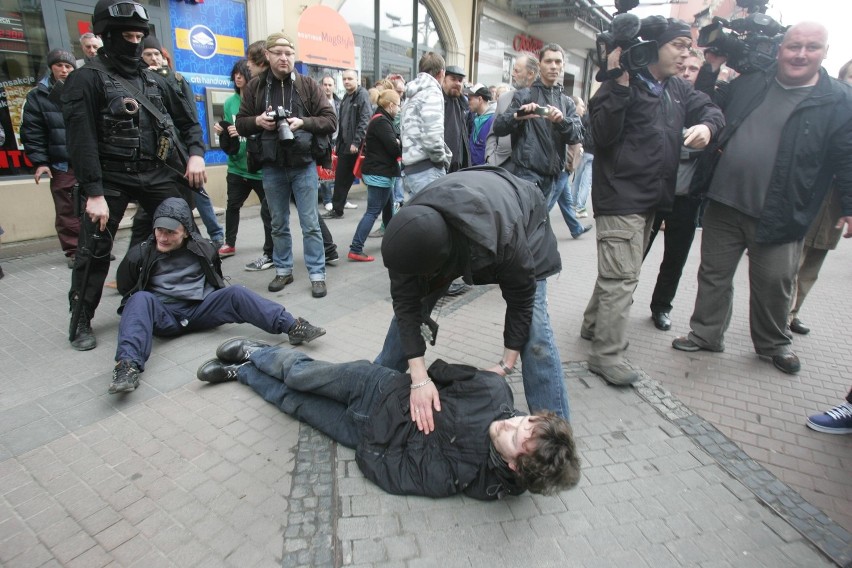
point(553, 464)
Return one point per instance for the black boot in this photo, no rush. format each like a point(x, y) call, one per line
point(84, 338)
point(238, 349)
point(215, 371)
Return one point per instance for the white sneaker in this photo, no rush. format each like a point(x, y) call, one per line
point(350, 205)
point(328, 207)
point(261, 263)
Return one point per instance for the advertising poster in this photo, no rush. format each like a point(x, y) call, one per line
point(209, 39)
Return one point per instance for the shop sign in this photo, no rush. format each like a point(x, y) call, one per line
point(12, 37)
point(523, 42)
point(324, 38)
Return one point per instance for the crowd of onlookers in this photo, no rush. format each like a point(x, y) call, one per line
point(646, 148)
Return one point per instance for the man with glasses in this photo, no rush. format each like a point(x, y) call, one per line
point(122, 146)
point(638, 123)
point(288, 122)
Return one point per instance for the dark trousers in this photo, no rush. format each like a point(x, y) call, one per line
point(336, 399)
point(149, 189)
point(67, 223)
point(145, 316)
point(327, 239)
point(343, 178)
point(239, 188)
point(678, 235)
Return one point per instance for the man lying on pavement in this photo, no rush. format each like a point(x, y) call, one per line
point(481, 445)
point(172, 284)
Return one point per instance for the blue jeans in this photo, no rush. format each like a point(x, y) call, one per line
point(377, 198)
point(208, 217)
point(544, 380)
point(415, 183)
point(582, 185)
point(279, 183)
point(145, 316)
point(562, 196)
point(336, 399)
point(326, 190)
point(398, 193)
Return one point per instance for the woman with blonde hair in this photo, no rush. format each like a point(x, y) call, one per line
point(382, 151)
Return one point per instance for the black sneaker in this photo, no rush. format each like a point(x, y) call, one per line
point(216, 371)
point(304, 332)
point(332, 258)
point(125, 377)
point(279, 282)
point(332, 215)
point(84, 339)
point(238, 349)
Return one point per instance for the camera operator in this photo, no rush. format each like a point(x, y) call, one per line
point(120, 149)
point(638, 122)
point(789, 134)
point(288, 122)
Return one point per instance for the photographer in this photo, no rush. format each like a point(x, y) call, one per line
point(120, 149)
point(789, 135)
point(638, 120)
point(288, 122)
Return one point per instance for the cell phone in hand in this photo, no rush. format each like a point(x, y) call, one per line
point(541, 111)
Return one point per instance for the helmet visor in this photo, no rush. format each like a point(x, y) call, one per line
point(128, 10)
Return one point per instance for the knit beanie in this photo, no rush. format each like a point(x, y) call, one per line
point(151, 42)
point(61, 56)
point(675, 29)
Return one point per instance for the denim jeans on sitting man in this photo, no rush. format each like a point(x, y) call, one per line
point(541, 366)
point(300, 182)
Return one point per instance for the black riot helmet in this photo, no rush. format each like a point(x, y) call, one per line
point(121, 15)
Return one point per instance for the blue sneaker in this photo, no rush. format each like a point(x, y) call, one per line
point(838, 420)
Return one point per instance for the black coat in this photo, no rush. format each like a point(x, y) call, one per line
point(815, 147)
point(354, 114)
point(538, 144)
point(454, 458)
point(506, 240)
point(135, 269)
point(43, 128)
point(83, 97)
point(638, 137)
point(382, 148)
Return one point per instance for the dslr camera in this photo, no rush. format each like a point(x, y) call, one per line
point(625, 32)
point(752, 42)
point(280, 115)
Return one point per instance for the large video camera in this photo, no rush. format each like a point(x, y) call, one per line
point(751, 44)
point(625, 32)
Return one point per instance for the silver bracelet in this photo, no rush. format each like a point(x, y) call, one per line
point(506, 368)
point(421, 385)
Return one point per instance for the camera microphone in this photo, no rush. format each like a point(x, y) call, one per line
point(625, 27)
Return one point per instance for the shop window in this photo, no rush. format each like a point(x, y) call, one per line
point(23, 53)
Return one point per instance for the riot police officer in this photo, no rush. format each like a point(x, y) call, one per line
point(135, 137)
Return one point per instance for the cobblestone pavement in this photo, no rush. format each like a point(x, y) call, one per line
point(180, 473)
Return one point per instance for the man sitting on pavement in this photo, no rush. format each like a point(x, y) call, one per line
point(482, 446)
point(172, 284)
point(489, 227)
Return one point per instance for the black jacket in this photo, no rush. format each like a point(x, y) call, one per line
point(815, 147)
point(382, 148)
point(43, 128)
point(638, 137)
point(456, 131)
point(538, 144)
point(506, 240)
point(354, 113)
point(135, 269)
point(83, 97)
point(453, 459)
